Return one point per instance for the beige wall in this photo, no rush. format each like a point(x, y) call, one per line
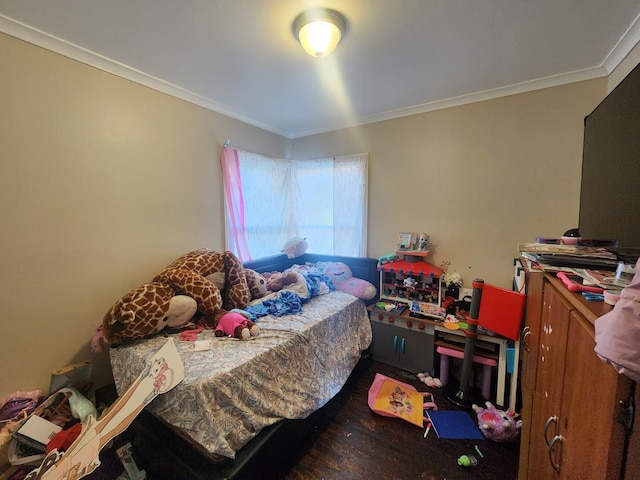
point(479, 178)
point(103, 182)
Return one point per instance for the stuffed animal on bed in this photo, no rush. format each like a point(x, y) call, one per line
point(237, 324)
point(151, 307)
point(189, 272)
point(343, 280)
point(256, 282)
point(145, 310)
point(277, 281)
point(497, 425)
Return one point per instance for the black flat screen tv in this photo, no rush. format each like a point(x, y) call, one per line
point(610, 188)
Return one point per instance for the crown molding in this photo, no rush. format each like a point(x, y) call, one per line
point(67, 49)
point(50, 42)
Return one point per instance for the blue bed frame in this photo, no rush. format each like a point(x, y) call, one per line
point(361, 267)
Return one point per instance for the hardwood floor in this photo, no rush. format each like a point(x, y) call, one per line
point(354, 443)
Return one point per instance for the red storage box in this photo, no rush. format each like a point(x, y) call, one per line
point(501, 311)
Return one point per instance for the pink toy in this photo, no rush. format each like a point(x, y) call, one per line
point(295, 247)
point(497, 425)
point(237, 325)
point(344, 281)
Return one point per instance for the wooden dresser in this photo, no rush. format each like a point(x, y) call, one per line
point(571, 401)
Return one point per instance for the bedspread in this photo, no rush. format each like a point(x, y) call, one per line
point(235, 389)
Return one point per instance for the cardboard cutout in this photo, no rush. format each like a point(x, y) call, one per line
point(163, 372)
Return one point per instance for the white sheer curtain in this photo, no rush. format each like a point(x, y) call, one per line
point(322, 200)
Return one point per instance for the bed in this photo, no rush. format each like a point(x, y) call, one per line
point(239, 390)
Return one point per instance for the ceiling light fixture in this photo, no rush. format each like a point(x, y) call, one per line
point(319, 30)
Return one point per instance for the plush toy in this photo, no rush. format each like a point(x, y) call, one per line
point(410, 283)
point(277, 281)
point(497, 425)
point(145, 310)
point(343, 280)
point(237, 324)
point(150, 307)
point(188, 275)
point(392, 257)
point(295, 246)
point(257, 283)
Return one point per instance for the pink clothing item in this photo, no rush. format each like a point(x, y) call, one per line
point(618, 332)
point(190, 335)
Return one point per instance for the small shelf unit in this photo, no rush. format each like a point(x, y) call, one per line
point(427, 281)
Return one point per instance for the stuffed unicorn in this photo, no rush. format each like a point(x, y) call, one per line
point(497, 425)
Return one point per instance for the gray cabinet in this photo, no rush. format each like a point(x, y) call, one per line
point(402, 341)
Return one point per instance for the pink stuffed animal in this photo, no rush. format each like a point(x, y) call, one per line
point(237, 324)
point(344, 281)
point(295, 247)
point(497, 425)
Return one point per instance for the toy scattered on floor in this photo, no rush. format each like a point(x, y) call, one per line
point(497, 425)
point(125, 454)
point(428, 380)
point(467, 461)
point(237, 324)
point(295, 246)
point(343, 280)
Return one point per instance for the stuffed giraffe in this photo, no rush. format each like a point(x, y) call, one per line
point(174, 296)
point(188, 275)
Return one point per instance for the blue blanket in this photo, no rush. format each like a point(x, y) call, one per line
point(285, 303)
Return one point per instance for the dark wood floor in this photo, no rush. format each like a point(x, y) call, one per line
point(355, 443)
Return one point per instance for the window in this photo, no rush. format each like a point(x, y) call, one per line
point(269, 200)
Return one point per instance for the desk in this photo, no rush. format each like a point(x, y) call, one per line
point(502, 363)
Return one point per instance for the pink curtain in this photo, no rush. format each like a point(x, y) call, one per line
point(235, 203)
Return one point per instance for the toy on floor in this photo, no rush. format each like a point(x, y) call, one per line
point(467, 461)
point(497, 425)
point(428, 380)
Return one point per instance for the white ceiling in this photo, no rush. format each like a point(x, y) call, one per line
point(398, 57)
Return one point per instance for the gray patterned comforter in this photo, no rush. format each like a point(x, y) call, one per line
point(236, 388)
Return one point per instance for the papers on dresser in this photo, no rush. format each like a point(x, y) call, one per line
point(550, 257)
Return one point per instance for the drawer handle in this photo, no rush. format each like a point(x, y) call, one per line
point(524, 340)
point(557, 439)
point(550, 420)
